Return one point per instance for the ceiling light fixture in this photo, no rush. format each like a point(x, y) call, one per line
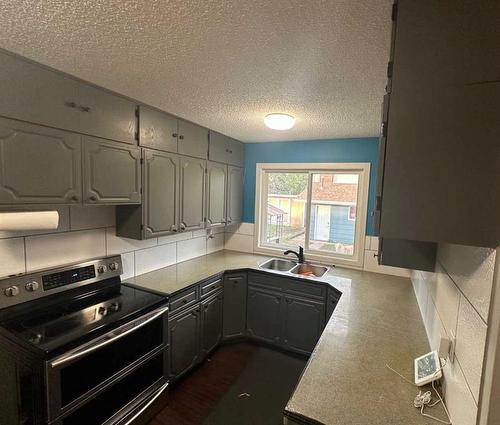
point(279, 121)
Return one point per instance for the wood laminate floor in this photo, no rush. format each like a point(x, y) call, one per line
point(240, 384)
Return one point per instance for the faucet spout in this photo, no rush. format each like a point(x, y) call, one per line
point(300, 254)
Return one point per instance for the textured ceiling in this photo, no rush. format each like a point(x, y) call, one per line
point(221, 63)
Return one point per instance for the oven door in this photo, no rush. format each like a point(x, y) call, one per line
point(135, 354)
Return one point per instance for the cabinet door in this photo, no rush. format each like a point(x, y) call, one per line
point(192, 193)
point(211, 334)
point(111, 172)
point(184, 334)
point(38, 165)
point(234, 194)
point(106, 115)
point(235, 305)
point(218, 147)
point(332, 301)
point(157, 130)
point(216, 192)
point(303, 323)
point(236, 153)
point(33, 93)
point(264, 315)
point(193, 140)
point(161, 193)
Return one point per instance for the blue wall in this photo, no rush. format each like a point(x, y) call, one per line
point(338, 150)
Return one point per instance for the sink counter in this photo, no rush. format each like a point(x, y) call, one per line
point(376, 321)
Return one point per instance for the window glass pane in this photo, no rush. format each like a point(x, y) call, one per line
point(286, 209)
point(333, 212)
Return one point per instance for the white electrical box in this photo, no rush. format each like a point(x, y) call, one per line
point(427, 368)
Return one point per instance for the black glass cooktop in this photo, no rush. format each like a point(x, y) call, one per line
point(55, 324)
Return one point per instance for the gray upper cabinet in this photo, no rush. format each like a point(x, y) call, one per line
point(226, 150)
point(235, 305)
point(157, 130)
point(161, 193)
point(111, 172)
point(192, 193)
point(193, 140)
point(264, 315)
point(216, 194)
point(106, 115)
point(234, 194)
point(303, 323)
point(38, 164)
point(36, 94)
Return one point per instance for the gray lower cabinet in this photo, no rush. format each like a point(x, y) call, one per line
point(192, 193)
point(216, 194)
point(38, 164)
point(264, 315)
point(211, 320)
point(111, 172)
point(192, 140)
point(184, 336)
point(331, 303)
point(235, 305)
point(234, 194)
point(157, 130)
point(303, 322)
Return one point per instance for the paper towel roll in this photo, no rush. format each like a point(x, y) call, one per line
point(32, 220)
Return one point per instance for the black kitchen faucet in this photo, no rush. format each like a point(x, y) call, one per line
point(300, 254)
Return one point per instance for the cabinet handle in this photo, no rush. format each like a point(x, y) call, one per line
point(84, 108)
point(181, 137)
point(223, 221)
point(175, 135)
point(173, 228)
point(184, 301)
point(183, 226)
point(93, 198)
point(74, 198)
point(229, 221)
point(70, 104)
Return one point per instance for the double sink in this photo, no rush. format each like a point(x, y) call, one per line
point(288, 266)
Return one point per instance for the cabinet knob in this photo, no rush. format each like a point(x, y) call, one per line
point(173, 228)
point(181, 137)
point(175, 135)
point(74, 198)
point(184, 301)
point(70, 104)
point(84, 108)
point(183, 226)
point(93, 198)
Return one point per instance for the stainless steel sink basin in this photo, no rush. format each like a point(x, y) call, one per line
point(309, 270)
point(278, 265)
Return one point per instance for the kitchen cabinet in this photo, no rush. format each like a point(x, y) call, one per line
point(157, 130)
point(39, 165)
point(303, 322)
point(211, 320)
point(106, 115)
point(111, 172)
point(264, 315)
point(332, 301)
point(235, 305)
point(226, 150)
point(234, 195)
point(184, 335)
point(216, 194)
point(192, 140)
point(192, 193)
point(439, 152)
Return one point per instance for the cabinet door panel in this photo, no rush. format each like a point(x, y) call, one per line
point(304, 321)
point(192, 193)
point(193, 140)
point(218, 147)
point(112, 172)
point(33, 93)
point(216, 192)
point(234, 194)
point(108, 116)
point(264, 315)
point(211, 310)
point(38, 164)
point(236, 153)
point(184, 333)
point(157, 130)
point(161, 192)
point(235, 305)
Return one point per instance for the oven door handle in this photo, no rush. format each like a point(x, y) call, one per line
point(149, 403)
point(108, 338)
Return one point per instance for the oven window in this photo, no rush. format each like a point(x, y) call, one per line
point(85, 374)
point(107, 404)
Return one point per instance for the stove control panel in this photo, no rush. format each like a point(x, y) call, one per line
point(21, 288)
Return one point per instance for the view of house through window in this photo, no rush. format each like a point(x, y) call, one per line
point(314, 209)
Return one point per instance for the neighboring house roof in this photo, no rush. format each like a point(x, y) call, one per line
point(272, 210)
point(327, 190)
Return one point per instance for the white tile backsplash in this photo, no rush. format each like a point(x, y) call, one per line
point(199, 233)
point(12, 256)
point(216, 243)
point(156, 257)
point(191, 248)
point(182, 236)
point(446, 299)
point(239, 242)
point(463, 409)
point(92, 217)
point(128, 262)
point(56, 249)
point(118, 245)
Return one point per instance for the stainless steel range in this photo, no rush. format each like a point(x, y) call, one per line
point(78, 347)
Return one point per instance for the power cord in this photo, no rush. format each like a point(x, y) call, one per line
point(423, 400)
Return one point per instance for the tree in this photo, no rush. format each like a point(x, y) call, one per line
point(287, 183)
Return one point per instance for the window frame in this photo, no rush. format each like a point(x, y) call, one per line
point(361, 168)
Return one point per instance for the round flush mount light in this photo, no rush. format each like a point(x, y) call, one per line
point(279, 121)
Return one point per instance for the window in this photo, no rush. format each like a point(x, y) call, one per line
point(321, 207)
